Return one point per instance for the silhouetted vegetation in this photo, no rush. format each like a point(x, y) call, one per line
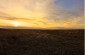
point(41, 42)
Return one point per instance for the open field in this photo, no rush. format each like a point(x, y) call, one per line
point(41, 42)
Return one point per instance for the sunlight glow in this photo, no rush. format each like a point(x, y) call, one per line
point(16, 23)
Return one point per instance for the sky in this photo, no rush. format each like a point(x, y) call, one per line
point(48, 14)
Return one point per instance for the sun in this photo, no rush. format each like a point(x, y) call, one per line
point(16, 24)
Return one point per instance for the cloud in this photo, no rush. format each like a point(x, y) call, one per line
point(40, 13)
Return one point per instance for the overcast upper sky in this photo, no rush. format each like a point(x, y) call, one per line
point(42, 13)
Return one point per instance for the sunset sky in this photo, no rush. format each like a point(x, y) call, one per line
point(54, 14)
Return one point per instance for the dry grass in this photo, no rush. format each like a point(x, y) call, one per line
point(41, 42)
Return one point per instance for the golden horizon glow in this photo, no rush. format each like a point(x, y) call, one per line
point(40, 24)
